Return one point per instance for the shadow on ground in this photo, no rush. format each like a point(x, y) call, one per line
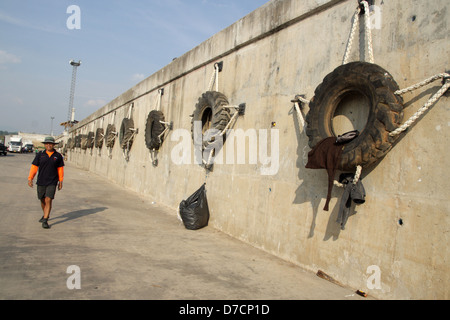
point(76, 215)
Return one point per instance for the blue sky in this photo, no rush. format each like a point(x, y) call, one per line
point(119, 43)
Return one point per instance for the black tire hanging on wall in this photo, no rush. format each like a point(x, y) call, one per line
point(90, 140)
point(385, 114)
point(84, 140)
point(77, 143)
point(153, 129)
point(110, 136)
point(69, 144)
point(126, 133)
point(211, 112)
point(99, 134)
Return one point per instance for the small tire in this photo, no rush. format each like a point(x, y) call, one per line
point(153, 130)
point(77, 143)
point(69, 144)
point(126, 134)
point(211, 112)
point(99, 135)
point(84, 140)
point(110, 136)
point(90, 140)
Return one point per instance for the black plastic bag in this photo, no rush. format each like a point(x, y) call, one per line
point(194, 210)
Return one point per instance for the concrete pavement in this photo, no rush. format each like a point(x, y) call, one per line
point(126, 247)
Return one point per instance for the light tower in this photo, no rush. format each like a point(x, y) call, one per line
point(51, 126)
point(71, 114)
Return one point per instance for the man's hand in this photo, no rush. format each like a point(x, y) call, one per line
point(60, 185)
point(30, 183)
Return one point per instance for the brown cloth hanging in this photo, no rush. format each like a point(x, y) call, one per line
point(325, 155)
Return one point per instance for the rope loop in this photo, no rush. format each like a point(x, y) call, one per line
point(299, 99)
point(427, 105)
point(356, 178)
point(159, 98)
point(214, 78)
point(368, 32)
point(220, 134)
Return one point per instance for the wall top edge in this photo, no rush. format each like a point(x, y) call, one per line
point(272, 17)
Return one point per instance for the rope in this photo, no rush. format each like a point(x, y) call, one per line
point(158, 100)
point(355, 179)
point(368, 33)
point(299, 98)
point(214, 78)
point(129, 110)
point(352, 35)
point(212, 139)
point(427, 105)
point(129, 140)
point(300, 118)
point(423, 83)
point(357, 175)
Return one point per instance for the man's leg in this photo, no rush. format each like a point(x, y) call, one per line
point(43, 209)
point(46, 195)
point(47, 207)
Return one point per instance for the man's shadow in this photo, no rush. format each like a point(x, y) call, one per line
point(76, 215)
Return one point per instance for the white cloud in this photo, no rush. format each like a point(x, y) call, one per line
point(97, 103)
point(138, 77)
point(18, 100)
point(6, 58)
point(27, 24)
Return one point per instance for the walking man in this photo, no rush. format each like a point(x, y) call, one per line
point(50, 165)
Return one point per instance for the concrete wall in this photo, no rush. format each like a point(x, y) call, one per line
point(282, 49)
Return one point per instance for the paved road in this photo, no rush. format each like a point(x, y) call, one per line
point(126, 247)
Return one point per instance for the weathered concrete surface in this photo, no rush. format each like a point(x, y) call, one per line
point(129, 248)
point(280, 50)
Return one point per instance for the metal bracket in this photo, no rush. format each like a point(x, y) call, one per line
point(444, 80)
point(297, 100)
point(363, 11)
point(242, 107)
point(168, 124)
point(220, 65)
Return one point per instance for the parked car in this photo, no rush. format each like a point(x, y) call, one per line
point(3, 149)
point(28, 148)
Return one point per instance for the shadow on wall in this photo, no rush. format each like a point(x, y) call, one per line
point(314, 186)
point(314, 182)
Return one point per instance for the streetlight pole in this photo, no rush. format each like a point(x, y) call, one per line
point(71, 115)
point(51, 133)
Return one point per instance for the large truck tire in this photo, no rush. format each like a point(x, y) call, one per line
point(385, 114)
